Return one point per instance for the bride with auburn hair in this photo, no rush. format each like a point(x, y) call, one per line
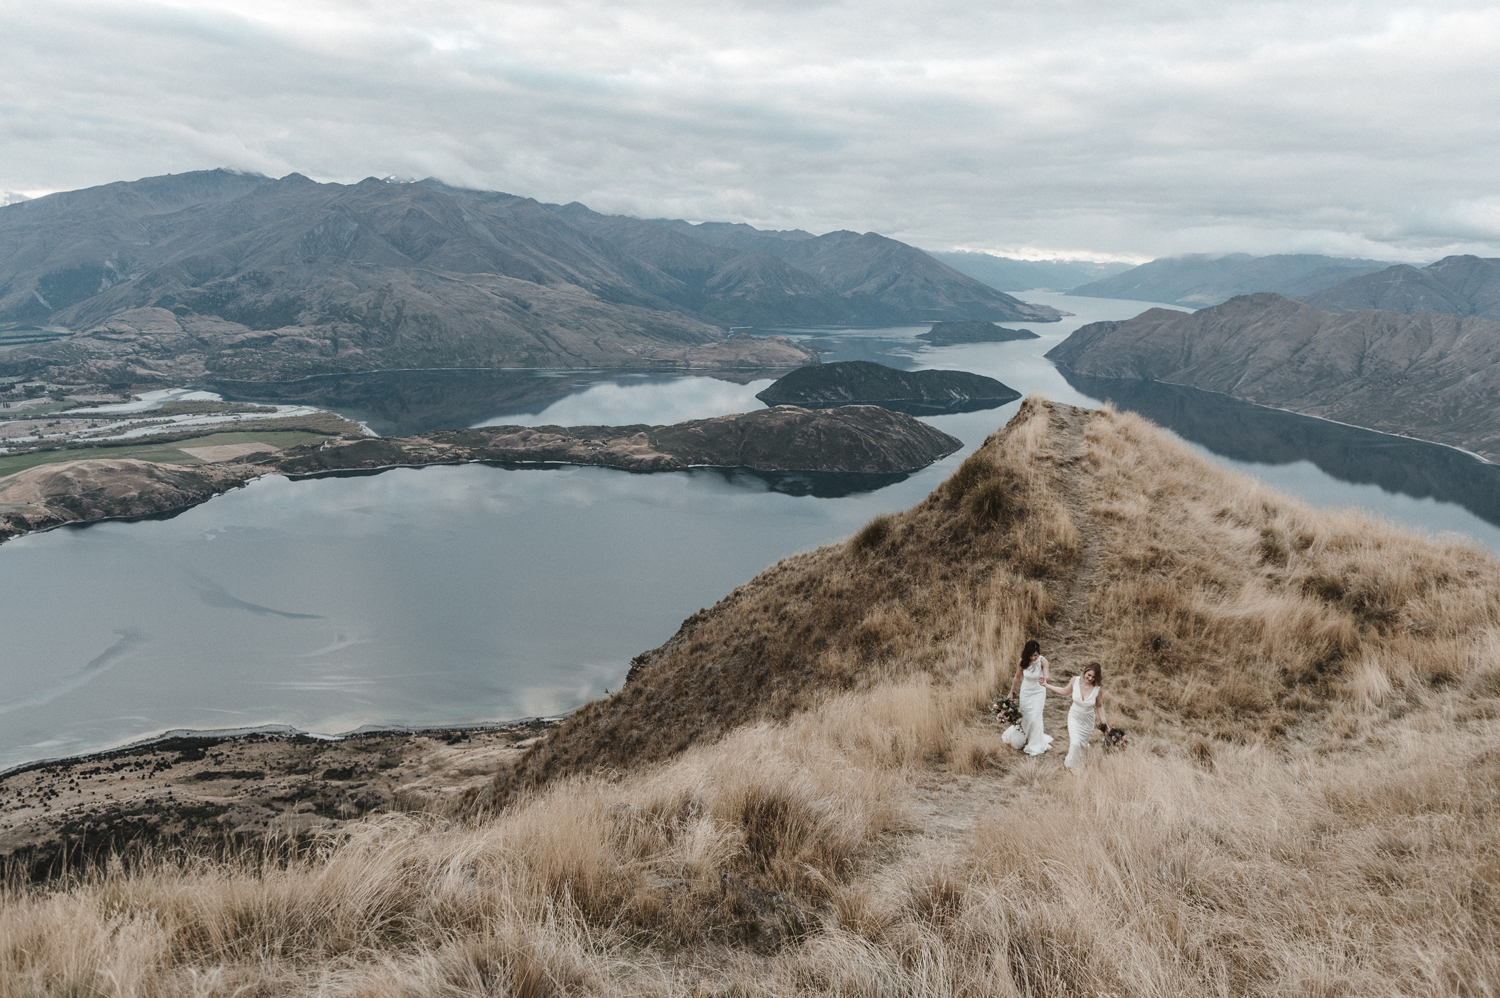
point(1087, 691)
point(1031, 677)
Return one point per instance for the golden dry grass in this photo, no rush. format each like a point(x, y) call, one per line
point(1308, 806)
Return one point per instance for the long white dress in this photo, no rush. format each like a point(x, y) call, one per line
point(1080, 723)
point(1028, 735)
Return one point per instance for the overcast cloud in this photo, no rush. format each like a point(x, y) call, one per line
point(1079, 127)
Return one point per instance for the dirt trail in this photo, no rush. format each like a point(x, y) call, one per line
point(946, 807)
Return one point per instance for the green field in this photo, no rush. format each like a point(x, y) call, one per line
point(45, 409)
point(164, 453)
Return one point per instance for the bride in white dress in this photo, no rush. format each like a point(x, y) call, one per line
point(1031, 676)
point(1087, 691)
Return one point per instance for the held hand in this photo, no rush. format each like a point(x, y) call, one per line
point(1102, 727)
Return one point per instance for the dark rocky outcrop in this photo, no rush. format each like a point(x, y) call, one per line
point(1434, 377)
point(867, 383)
point(1457, 285)
point(952, 333)
point(1200, 279)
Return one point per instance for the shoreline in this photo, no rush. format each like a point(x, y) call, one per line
point(219, 735)
point(1294, 412)
point(847, 440)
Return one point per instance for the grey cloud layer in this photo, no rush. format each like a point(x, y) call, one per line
point(1129, 128)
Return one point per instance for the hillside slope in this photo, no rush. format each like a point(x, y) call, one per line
point(1458, 285)
point(801, 794)
point(1007, 274)
point(1203, 279)
point(877, 276)
point(1436, 377)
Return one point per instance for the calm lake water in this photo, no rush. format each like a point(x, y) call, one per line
point(465, 594)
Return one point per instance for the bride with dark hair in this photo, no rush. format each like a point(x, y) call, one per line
point(1087, 691)
point(1031, 677)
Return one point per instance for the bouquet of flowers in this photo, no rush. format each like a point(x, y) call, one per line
point(1006, 711)
point(1115, 739)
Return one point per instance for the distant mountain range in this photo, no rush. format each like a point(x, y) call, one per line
point(1435, 377)
point(233, 275)
point(1200, 280)
point(1008, 274)
point(1457, 285)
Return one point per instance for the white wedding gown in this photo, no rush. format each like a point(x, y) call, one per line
point(1028, 735)
point(1080, 724)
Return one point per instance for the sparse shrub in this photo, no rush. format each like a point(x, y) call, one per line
point(1273, 550)
point(991, 504)
point(977, 468)
point(872, 535)
point(936, 897)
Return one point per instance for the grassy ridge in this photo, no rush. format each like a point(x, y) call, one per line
point(1308, 806)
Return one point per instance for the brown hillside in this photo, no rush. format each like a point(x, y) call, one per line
point(842, 617)
point(1229, 610)
point(803, 796)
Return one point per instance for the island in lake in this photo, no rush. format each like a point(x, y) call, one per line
point(863, 382)
point(944, 334)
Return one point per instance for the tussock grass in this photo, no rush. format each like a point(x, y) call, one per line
point(1308, 805)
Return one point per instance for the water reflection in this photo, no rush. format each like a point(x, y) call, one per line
point(1245, 432)
point(818, 484)
point(399, 403)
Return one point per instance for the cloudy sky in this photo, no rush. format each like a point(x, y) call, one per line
point(1100, 128)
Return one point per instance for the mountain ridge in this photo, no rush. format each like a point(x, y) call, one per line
point(1457, 285)
point(217, 273)
point(1202, 279)
point(1431, 376)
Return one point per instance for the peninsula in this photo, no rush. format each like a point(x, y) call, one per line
point(859, 439)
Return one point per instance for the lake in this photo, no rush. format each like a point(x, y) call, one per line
point(454, 595)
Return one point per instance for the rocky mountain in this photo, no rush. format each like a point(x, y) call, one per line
point(1436, 377)
point(863, 382)
point(883, 281)
point(1458, 285)
point(223, 274)
point(1007, 274)
point(1203, 279)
